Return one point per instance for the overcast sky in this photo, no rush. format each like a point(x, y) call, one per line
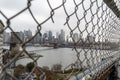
point(41, 11)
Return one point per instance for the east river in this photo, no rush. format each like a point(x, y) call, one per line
point(63, 56)
point(66, 56)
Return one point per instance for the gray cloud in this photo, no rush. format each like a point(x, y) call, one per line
point(12, 4)
point(41, 11)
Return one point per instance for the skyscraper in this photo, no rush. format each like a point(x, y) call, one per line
point(57, 35)
point(38, 38)
point(27, 35)
point(21, 35)
point(62, 36)
point(90, 38)
point(14, 38)
point(45, 37)
point(75, 37)
point(50, 37)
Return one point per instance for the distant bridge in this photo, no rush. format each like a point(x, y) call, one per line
point(34, 56)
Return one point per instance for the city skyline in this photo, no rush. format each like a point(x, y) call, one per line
point(49, 36)
point(27, 34)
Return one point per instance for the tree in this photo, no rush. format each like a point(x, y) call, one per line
point(30, 66)
point(18, 70)
point(57, 67)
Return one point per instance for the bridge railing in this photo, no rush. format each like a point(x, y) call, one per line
point(92, 26)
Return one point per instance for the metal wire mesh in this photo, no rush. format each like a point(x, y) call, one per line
point(97, 48)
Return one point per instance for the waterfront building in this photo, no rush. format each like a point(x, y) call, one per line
point(21, 35)
point(75, 37)
point(38, 39)
point(50, 37)
point(62, 36)
point(57, 35)
point(28, 34)
point(80, 37)
point(90, 39)
point(25, 35)
point(14, 38)
point(45, 37)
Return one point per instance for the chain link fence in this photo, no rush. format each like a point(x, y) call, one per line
point(96, 48)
